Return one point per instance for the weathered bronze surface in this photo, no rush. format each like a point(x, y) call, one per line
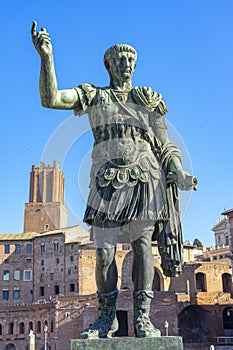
point(135, 175)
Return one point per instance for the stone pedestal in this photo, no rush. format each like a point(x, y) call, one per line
point(160, 343)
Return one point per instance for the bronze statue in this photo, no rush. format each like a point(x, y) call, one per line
point(135, 175)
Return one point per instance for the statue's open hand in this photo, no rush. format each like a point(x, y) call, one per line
point(181, 178)
point(41, 41)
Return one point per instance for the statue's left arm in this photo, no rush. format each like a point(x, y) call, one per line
point(171, 155)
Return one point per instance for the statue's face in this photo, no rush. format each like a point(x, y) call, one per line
point(122, 66)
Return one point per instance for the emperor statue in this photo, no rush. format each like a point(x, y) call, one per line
point(135, 175)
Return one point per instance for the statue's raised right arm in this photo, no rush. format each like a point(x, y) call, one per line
point(51, 97)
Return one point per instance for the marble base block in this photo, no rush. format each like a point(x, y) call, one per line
point(160, 343)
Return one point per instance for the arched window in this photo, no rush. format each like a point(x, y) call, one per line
point(46, 328)
point(11, 328)
point(56, 289)
point(226, 283)
point(38, 327)
point(30, 326)
point(201, 282)
point(21, 328)
point(227, 315)
point(72, 287)
point(56, 245)
point(10, 347)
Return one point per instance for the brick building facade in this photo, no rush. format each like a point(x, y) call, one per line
point(48, 279)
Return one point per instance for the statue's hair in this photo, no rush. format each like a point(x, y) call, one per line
point(113, 51)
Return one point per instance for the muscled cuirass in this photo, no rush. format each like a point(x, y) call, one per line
point(124, 143)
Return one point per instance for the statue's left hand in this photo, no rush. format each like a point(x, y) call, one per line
point(183, 180)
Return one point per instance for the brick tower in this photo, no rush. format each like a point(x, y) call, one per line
point(45, 210)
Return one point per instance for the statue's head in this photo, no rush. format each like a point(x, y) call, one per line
point(120, 61)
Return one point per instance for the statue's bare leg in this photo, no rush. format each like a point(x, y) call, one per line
point(106, 281)
point(142, 275)
point(106, 270)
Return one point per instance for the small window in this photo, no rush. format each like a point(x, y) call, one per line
point(226, 283)
point(30, 326)
point(227, 240)
point(7, 249)
point(56, 245)
point(46, 227)
point(56, 289)
point(11, 328)
point(72, 287)
point(201, 282)
point(51, 326)
point(16, 294)
point(6, 275)
point(29, 261)
point(51, 276)
point(42, 291)
point(58, 261)
point(27, 275)
point(29, 248)
point(6, 261)
point(38, 327)
point(69, 272)
point(17, 248)
point(72, 246)
point(42, 248)
point(42, 277)
point(17, 275)
point(21, 328)
point(71, 258)
point(5, 294)
point(42, 262)
point(0, 329)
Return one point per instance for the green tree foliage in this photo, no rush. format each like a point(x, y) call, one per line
point(197, 243)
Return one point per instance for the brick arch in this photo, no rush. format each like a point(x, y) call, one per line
point(194, 324)
point(10, 346)
point(227, 316)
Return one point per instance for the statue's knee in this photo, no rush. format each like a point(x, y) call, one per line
point(104, 257)
point(142, 247)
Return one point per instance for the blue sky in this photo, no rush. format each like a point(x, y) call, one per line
point(185, 52)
